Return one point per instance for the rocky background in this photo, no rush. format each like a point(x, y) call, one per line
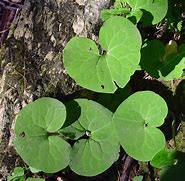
point(31, 60)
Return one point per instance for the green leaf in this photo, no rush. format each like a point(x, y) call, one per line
point(170, 48)
point(173, 65)
point(164, 158)
point(36, 139)
point(74, 131)
point(72, 128)
point(34, 170)
point(136, 120)
point(152, 53)
point(112, 101)
point(16, 174)
point(135, 16)
point(99, 150)
point(73, 111)
point(166, 63)
point(21, 178)
point(179, 25)
point(109, 13)
point(154, 10)
point(111, 67)
point(173, 169)
point(138, 178)
point(35, 179)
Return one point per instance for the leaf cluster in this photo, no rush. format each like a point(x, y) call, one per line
point(43, 142)
point(83, 134)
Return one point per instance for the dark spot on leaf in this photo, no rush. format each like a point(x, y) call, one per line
point(104, 52)
point(146, 124)
point(90, 49)
point(102, 86)
point(22, 135)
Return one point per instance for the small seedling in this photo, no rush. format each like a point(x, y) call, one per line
point(17, 175)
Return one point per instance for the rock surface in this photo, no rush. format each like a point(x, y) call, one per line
point(31, 60)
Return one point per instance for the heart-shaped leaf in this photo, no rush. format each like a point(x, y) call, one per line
point(157, 8)
point(136, 120)
point(100, 149)
point(111, 67)
point(36, 139)
point(138, 178)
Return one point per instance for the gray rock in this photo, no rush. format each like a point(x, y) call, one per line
point(31, 60)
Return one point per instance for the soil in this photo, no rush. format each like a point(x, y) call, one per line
point(32, 67)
